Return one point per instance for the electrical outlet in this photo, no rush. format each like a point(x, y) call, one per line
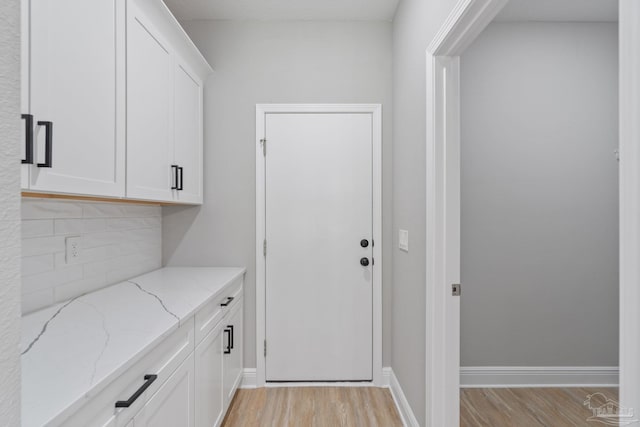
point(403, 240)
point(72, 249)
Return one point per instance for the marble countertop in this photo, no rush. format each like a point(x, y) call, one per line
point(72, 350)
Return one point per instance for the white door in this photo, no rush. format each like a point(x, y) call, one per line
point(173, 403)
point(188, 134)
point(76, 78)
point(209, 399)
point(149, 110)
point(318, 191)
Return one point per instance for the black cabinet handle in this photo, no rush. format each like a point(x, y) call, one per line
point(364, 262)
point(180, 170)
point(28, 120)
point(149, 379)
point(232, 334)
point(48, 144)
point(227, 350)
point(174, 169)
point(227, 302)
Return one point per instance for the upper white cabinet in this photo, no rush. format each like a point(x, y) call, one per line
point(111, 102)
point(73, 97)
point(149, 110)
point(188, 133)
point(164, 107)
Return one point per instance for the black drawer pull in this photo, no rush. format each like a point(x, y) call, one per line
point(48, 144)
point(227, 302)
point(28, 152)
point(227, 349)
point(174, 169)
point(180, 186)
point(149, 379)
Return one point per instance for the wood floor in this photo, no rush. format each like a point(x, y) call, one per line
point(372, 407)
point(529, 407)
point(313, 407)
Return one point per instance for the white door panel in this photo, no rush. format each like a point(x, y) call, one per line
point(150, 68)
point(208, 364)
point(173, 403)
point(318, 209)
point(75, 78)
point(188, 133)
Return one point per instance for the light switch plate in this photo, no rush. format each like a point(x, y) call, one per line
point(403, 240)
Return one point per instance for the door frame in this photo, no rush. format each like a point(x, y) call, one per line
point(376, 113)
point(629, 181)
point(462, 27)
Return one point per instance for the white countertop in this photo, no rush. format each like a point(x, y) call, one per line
point(72, 350)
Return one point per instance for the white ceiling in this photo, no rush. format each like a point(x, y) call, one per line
point(339, 10)
point(560, 10)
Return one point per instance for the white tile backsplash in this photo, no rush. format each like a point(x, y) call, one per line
point(118, 241)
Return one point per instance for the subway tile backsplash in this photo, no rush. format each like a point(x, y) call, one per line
point(118, 241)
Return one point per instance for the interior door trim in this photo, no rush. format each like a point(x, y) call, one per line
point(376, 113)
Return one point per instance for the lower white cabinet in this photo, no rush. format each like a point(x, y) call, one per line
point(173, 403)
point(232, 360)
point(209, 399)
point(197, 370)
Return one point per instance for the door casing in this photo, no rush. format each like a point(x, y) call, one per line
point(376, 113)
point(462, 27)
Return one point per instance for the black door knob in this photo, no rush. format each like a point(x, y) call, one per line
point(364, 262)
point(364, 243)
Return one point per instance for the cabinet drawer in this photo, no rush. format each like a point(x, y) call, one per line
point(162, 361)
point(208, 317)
point(235, 291)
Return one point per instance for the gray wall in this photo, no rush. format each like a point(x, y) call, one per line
point(272, 62)
point(540, 196)
point(415, 24)
point(10, 214)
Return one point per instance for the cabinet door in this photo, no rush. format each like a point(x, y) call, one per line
point(188, 133)
point(173, 403)
point(233, 360)
point(209, 399)
point(149, 110)
point(76, 81)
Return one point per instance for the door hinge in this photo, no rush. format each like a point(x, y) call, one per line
point(263, 142)
point(265, 348)
point(264, 247)
point(456, 289)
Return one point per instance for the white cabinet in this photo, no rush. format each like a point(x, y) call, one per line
point(173, 403)
point(233, 354)
point(188, 133)
point(149, 110)
point(197, 370)
point(73, 88)
point(112, 95)
point(164, 112)
point(209, 399)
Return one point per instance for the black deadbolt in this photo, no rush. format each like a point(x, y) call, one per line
point(364, 262)
point(364, 243)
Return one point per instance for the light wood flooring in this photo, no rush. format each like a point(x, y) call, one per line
point(313, 407)
point(373, 407)
point(529, 407)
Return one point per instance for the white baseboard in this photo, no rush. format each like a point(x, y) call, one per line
point(248, 378)
point(408, 418)
point(538, 376)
